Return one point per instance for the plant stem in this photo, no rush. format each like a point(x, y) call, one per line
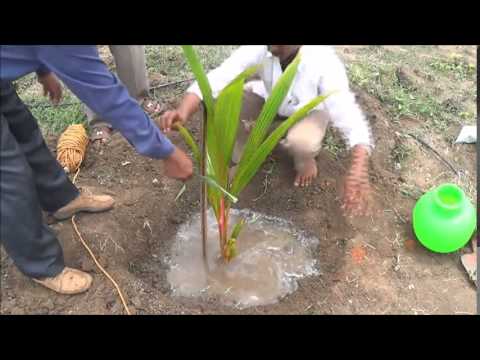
point(203, 195)
point(222, 229)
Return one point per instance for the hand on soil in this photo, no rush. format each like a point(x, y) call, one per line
point(179, 166)
point(356, 200)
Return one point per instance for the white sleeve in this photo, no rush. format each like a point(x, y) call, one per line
point(240, 60)
point(344, 111)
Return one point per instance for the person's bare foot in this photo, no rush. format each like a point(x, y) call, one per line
point(306, 172)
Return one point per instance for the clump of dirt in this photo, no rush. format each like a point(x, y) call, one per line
point(133, 238)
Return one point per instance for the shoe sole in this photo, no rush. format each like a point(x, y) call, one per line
point(64, 292)
point(85, 209)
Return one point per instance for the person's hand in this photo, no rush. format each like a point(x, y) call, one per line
point(51, 87)
point(169, 119)
point(178, 166)
point(357, 191)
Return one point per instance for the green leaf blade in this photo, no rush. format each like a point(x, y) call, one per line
point(227, 118)
point(270, 110)
point(201, 77)
point(247, 170)
point(211, 181)
point(188, 138)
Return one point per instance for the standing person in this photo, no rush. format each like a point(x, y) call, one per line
point(31, 180)
point(320, 71)
point(131, 68)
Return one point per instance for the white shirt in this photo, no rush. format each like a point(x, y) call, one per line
point(320, 71)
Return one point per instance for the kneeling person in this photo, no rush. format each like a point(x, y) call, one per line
point(320, 71)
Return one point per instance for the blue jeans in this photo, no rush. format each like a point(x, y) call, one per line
point(31, 180)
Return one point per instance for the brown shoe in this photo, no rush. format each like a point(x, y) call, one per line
point(86, 203)
point(68, 282)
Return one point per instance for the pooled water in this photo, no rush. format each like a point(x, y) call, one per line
point(272, 256)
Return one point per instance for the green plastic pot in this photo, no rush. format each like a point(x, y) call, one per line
point(444, 219)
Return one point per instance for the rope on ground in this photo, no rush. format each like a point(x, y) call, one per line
point(100, 266)
point(71, 151)
point(71, 147)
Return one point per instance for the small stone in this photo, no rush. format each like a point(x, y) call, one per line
point(44, 311)
point(175, 220)
point(49, 305)
point(132, 310)
point(17, 311)
point(109, 304)
point(103, 261)
point(136, 301)
point(87, 265)
point(117, 308)
point(410, 244)
point(358, 254)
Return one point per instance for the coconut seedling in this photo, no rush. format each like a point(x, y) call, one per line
point(221, 121)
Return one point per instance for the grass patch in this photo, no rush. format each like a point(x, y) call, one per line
point(381, 81)
point(455, 66)
point(170, 62)
point(400, 153)
point(53, 119)
point(435, 88)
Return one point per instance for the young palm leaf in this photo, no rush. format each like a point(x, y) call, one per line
point(201, 76)
point(210, 181)
point(247, 170)
point(187, 137)
point(202, 79)
point(270, 110)
point(227, 119)
point(221, 132)
point(222, 126)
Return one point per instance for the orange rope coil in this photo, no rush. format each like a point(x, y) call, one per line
point(71, 148)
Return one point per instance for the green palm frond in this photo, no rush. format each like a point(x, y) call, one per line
point(247, 170)
point(269, 110)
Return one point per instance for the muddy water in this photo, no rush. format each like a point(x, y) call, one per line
point(272, 256)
